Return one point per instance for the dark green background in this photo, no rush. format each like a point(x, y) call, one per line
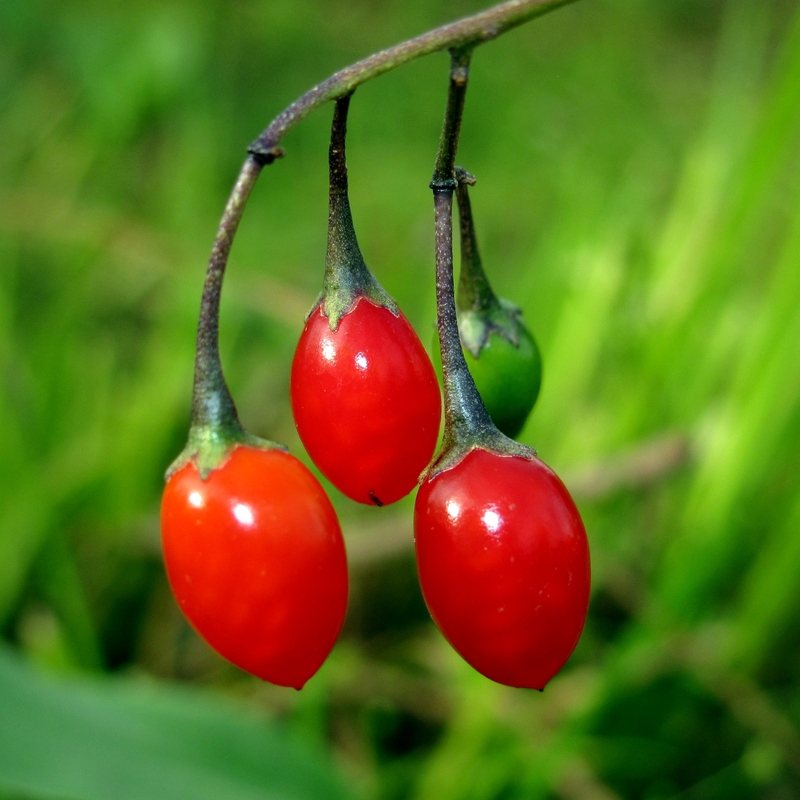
point(638, 195)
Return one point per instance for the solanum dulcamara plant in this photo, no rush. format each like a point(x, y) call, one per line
point(252, 545)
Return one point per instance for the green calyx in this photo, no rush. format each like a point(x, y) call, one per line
point(347, 277)
point(502, 317)
point(215, 431)
point(456, 447)
point(209, 447)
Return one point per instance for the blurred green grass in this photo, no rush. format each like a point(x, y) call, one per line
point(637, 195)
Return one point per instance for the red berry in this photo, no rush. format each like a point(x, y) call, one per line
point(504, 565)
point(366, 402)
point(256, 560)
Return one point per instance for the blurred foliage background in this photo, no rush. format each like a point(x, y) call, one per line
point(639, 196)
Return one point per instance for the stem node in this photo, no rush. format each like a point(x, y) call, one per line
point(263, 157)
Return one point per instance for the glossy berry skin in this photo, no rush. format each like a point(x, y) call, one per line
point(366, 402)
point(504, 565)
point(255, 557)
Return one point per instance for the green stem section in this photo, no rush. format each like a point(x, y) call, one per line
point(462, 403)
point(343, 246)
point(444, 176)
point(474, 291)
point(347, 276)
point(467, 424)
point(212, 405)
point(465, 33)
point(464, 413)
point(215, 428)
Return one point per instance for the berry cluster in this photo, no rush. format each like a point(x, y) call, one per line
point(253, 549)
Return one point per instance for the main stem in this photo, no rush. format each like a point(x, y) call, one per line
point(467, 32)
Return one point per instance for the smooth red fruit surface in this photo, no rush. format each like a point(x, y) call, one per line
point(256, 560)
point(504, 565)
point(366, 402)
